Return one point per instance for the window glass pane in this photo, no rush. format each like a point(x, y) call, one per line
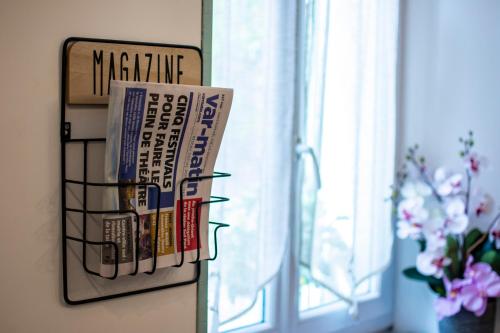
point(313, 294)
point(256, 315)
point(348, 126)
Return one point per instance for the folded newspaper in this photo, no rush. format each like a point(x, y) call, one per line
point(161, 134)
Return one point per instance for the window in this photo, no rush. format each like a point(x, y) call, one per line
point(310, 144)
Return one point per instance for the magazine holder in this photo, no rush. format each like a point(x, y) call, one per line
point(82, 165)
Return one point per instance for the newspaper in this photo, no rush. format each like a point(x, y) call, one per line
point(159, 133)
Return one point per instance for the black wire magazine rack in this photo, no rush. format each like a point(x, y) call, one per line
point(84, 241)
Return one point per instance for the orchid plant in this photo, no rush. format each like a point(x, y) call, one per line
point(442, 211)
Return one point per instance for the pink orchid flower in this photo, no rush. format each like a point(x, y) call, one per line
point(451, 304)
point(483, 283)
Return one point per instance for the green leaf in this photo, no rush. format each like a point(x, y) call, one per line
point(438, 288)
point(414, 274)
point(451, 244)
point(421, 243)
point(488, 257)
point(472, 237)
point(492, 258)
point(452, 251)
point(487, 246)
point(435, 284)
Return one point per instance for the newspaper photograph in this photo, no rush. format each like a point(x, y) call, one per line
point(161, 134)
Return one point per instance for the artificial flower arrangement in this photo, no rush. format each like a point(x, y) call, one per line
point(460, 262)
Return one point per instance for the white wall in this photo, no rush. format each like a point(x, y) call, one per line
point(450, 83)
point(31, 34)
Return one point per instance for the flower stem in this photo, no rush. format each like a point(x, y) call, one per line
point(425, 178)
point(467, 194)
point(465, 254)
point(483, 237)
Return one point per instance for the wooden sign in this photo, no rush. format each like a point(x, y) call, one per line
point(91, 66)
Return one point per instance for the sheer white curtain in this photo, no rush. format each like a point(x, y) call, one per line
point(253, 52)
point(350, 88)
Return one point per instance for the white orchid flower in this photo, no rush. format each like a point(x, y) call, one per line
point(435, 234)
point(456, 220)
point(432, 263)
point(409, 229)
point(446, 183)
point(413, 210)
point(475, 163)
point(481, 203)
point(415, 189)
point(435, 241)
point(495, 237)
point(412, 215)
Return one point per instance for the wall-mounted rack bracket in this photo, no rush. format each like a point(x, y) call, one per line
point(85, 184)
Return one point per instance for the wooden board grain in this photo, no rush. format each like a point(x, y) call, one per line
point(91, 65)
